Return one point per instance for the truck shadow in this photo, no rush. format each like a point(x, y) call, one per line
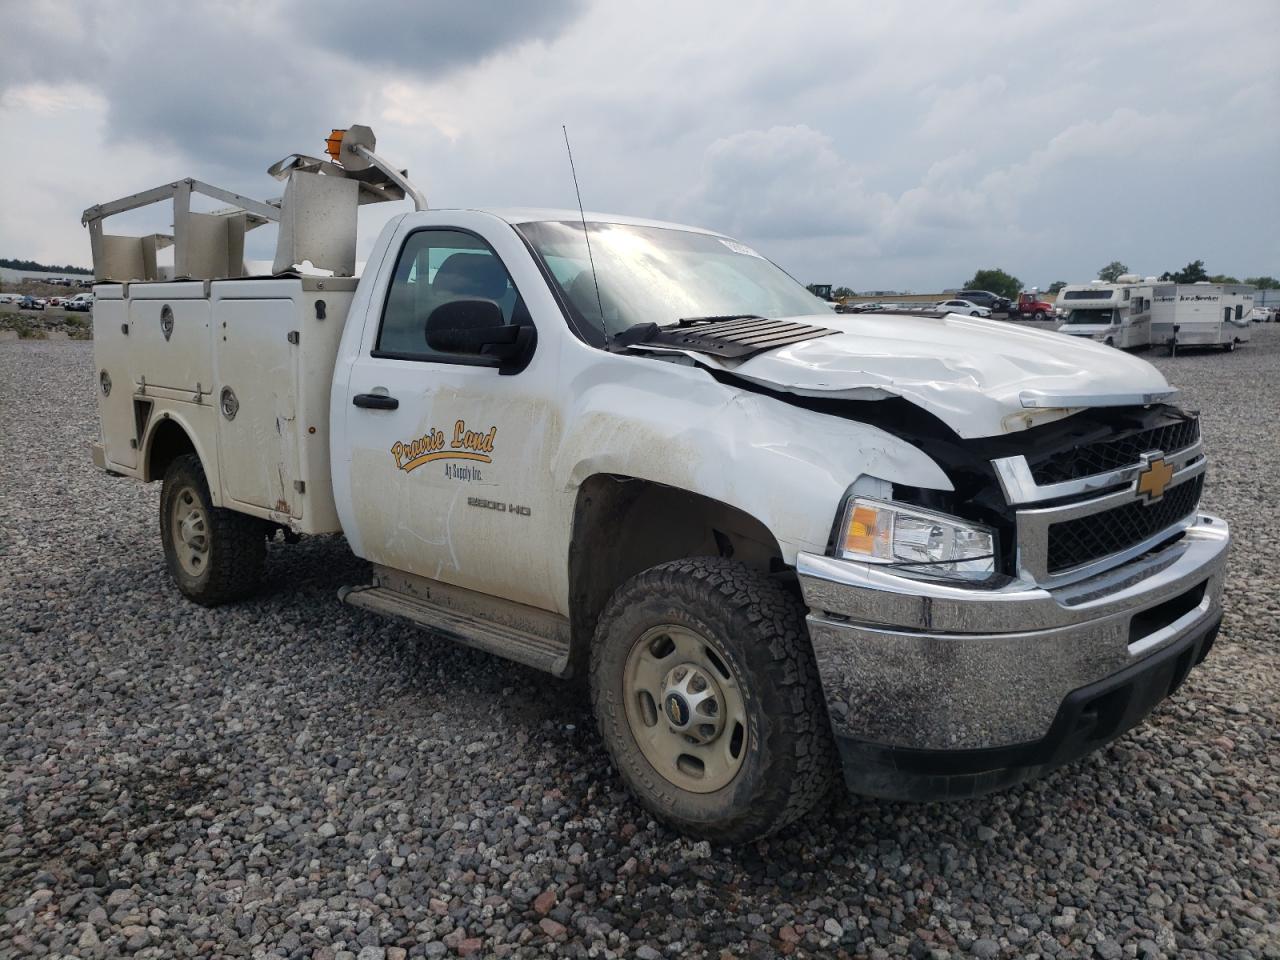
point(410, 678)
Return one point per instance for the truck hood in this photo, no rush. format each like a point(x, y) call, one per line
point(980, 377)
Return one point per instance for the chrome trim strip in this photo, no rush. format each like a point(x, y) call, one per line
point(1019, 486)
point(1033, 531)
point(876, 596)
point(1040, 399)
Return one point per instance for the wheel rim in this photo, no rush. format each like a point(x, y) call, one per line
point(685, 708)
point(189, 531)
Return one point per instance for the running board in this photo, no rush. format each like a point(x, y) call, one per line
point(540, 639)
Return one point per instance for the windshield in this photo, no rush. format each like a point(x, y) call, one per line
point(660, 275)
point(1091, 316)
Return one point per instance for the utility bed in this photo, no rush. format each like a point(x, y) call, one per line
point(271, 343)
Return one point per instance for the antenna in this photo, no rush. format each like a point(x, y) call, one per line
point(586, 236)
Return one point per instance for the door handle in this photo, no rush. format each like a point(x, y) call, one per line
point(375, 401)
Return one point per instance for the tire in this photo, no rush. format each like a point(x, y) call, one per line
point(1229, 346)
point(214, 555)
point(785, 756)
point(1039, 315)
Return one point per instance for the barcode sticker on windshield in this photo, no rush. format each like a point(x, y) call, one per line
point(737, 247)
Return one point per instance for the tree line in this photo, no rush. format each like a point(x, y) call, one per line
point(33, 265)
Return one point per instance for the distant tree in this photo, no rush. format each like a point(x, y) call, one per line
point(34, 265)
point(1057, 285)
point(1222, 278)
point(842, 292)
point(1193, 272)
point(1112, 271)
point(997, 281)
point(1263, 283)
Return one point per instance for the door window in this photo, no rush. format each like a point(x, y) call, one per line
point(436, 267)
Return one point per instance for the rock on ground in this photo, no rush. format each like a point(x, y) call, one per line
point(289, 777)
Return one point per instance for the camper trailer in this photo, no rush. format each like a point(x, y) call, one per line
point(1201, 314)
point(1117, 314)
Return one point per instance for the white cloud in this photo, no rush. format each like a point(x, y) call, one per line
point(875, 144)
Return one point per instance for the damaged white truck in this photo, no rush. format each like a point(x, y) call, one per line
point(936, 554)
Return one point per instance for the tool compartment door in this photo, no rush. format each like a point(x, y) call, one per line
point(257, 386)
point(169, 335)
point(114, 378)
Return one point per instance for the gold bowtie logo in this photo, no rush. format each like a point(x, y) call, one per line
point(1153, 480)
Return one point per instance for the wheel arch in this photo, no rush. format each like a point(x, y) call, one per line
point(623, 525)
point(168, 434)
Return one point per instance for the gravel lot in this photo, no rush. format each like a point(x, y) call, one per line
point(289, 777)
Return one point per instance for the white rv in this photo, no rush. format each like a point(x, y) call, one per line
point(1117, 314)
point(1201, 314)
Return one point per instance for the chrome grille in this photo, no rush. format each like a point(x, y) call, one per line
point(1088, 459)
point(1075, 543)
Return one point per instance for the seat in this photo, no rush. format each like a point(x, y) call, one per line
point(470, 275)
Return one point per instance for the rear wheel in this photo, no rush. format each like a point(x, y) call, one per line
point(708, 699)
point(214, 555)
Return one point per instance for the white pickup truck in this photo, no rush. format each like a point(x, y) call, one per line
point(937, 554)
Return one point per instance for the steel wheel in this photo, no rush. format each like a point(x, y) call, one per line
point(685, 708)
point(190, 528)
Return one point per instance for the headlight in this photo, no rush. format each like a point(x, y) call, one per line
point(919, 541)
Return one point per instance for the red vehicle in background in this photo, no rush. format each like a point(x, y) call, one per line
point(1029, 306)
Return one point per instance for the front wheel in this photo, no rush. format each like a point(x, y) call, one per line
point(214, 555)
point(708, 700)
point(1039, 315)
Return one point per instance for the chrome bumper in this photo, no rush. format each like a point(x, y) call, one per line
point(933, 667)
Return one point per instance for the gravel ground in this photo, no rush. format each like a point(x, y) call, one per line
point(289, 777)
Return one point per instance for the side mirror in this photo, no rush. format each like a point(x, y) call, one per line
point(477, 328)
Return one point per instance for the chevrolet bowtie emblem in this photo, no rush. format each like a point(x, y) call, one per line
point(1154, 478)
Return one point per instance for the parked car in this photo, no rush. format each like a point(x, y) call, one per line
point(10, 297)
point(81, 302)
point(31, 303)
point(985, 298)
point(964, 307)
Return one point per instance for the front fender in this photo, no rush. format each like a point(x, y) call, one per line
point(786, 466)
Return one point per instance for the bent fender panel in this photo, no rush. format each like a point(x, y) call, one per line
point(786, 466)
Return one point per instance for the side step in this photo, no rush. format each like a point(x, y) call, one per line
point(549, 653)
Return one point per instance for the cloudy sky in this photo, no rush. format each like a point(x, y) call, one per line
point(879, 145)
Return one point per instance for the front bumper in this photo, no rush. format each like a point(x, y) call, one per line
point(938, 690)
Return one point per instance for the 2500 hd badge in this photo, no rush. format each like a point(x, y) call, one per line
point(499, 506)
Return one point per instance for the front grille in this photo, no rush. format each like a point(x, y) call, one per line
point(1073, 543)
point(1114, 453)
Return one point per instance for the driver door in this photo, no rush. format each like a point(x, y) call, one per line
point(448, 476)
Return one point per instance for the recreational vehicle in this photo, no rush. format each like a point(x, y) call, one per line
point(1117, 314)
point(1201, 314)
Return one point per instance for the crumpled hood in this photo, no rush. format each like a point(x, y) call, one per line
point(980, 377)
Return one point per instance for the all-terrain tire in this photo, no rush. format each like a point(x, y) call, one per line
point(236, 543)
point(790, 761)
